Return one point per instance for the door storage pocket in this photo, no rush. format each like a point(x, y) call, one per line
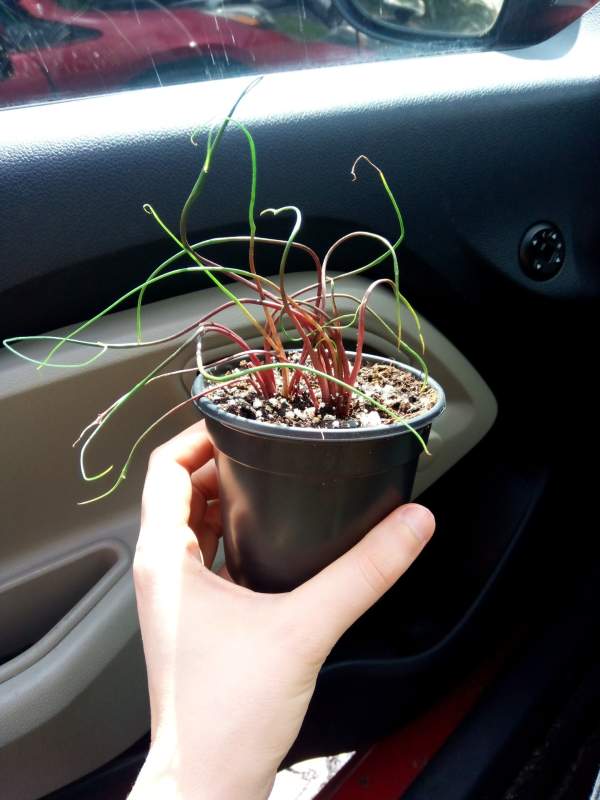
point(39, 608)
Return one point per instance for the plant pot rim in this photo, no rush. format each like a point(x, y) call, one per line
point(256, 428)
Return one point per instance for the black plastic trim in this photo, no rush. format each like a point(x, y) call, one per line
point(465, 139)
point(444, 614)
point(488, 749)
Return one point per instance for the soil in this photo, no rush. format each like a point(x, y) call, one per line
point(395, 388)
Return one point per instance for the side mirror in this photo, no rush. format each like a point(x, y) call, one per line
point(471, 23)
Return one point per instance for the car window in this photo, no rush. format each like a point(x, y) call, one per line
point(56, 49)
point(458, 17)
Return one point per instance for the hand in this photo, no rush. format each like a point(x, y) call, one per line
point(231, 671)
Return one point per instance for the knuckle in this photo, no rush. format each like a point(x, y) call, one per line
point(412, 543)
point(305, 642)
point(374, 574)
point(143, 572)
point(156, 456)
point(191, 551)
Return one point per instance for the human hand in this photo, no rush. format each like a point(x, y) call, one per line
point(231, 671)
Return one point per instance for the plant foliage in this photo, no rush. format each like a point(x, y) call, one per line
point(308, 320)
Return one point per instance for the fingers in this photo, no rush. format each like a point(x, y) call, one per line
point(191, 448)
point(205, 510)
point(224, 573)
point(209, 533)
point(172, 495)
point(168, 488)
point(343, 591)
point(205, 487)
point(206, 481)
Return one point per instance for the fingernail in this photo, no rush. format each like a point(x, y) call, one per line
point(419, 519)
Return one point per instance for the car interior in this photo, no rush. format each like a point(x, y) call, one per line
point(490, 142)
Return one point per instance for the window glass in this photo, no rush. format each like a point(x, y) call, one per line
point(456, 17)
point(51, 49)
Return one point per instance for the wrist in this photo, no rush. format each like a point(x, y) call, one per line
point(177, 778)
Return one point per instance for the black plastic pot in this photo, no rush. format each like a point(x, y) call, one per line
point(295, 499)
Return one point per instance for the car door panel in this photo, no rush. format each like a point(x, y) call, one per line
point(471, 110)
point(82, 663)
point(478, 147)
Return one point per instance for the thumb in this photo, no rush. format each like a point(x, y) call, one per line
point(338, 595)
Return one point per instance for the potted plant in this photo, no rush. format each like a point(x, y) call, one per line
point(314, 443)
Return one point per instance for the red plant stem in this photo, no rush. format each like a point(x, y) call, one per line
point(207, 262)
point(312, 323)
point(268, 377)
point(343, 358)
point(360, 336)
point(323, 272)
point(328, 366)
point(260, 385)
point(340, 366)
point(346, 395)
point(226, 359)
point(230, 303)
point(269, 358)
point(268, 381)
point(223, 360)
point(306, 349)
point(311, 393)
point(320, 285)
point(306, 378)
point(314, 356)
point(265, 240)
point(328, 355)
point(275, 338)
point(251, 284)
point(339, 341)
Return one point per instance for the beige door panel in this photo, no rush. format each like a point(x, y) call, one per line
point(72, 677)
